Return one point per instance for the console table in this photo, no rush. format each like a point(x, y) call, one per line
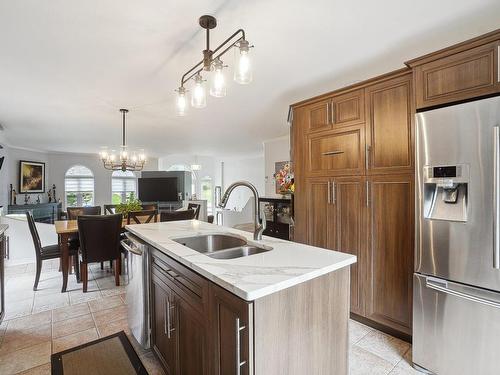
point(42, 212)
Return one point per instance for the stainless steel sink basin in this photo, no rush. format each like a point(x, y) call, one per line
point(221, 246)
point(209, 243)
point(238, 252)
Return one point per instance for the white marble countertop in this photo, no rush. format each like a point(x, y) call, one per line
point(3, 228)
point(251, 277)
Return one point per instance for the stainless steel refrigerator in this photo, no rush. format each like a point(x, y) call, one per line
point(456, 291)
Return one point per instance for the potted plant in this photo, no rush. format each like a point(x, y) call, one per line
point(132, 204)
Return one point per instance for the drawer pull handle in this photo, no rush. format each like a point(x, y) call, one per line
point(239, 363)
point(328, 153)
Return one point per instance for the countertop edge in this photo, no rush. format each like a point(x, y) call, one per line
point(253, 295)
point(3, 228)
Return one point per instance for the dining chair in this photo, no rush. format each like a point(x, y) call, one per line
point(110, 209)
point(196, 207)
point(142, 217)
point(177, 215)
point(74, 212)
point(148, 207)
point(47, 252)
point(99, 241)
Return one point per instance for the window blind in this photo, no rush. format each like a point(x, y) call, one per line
point(119, 185)
point(79, 184)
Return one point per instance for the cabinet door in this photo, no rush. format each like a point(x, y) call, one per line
point(191, 333)
point(348, 108)
point(390, 126)
point(319, 115)
point(464, 75)
point(336, 153)
point(164, 335)
point(390, 254)
point(349, 201)
point(320, 215)
point(231, 327)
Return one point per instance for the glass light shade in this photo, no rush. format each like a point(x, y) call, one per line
point(196, 167)
point(124, 153)
point(199, 94)
point(104, 154)
point(142, 156)
point(181, 101)
point(243, 67)
point(218, 81)
point(134, 158)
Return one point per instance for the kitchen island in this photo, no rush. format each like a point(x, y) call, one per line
point(284, 310)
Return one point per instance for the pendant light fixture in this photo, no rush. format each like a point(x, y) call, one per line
point(213, 65)
point(124, 161)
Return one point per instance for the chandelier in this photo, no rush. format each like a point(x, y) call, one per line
point(212, 63)
point(124, 161)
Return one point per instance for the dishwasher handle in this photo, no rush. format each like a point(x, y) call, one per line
point(128, 245)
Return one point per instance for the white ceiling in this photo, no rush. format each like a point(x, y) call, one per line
point(66, 67)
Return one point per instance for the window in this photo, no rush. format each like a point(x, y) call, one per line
point(123, 185)
point(207, 193)
point(79, 186)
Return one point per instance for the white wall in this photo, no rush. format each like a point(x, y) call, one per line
point(56, 165)
point(249, 168)
point(275, 150)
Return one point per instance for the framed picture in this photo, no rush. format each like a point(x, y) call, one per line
point(31, 177)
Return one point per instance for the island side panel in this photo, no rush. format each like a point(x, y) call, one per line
point(304, 329)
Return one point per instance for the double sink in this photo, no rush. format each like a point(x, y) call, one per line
point(221, 246)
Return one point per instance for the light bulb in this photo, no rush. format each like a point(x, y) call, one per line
point(243, 70)
point(199, 96)
point(218, 83)
point(112, 157)
point(104, 154)
point(181, 101)
point(134, 157)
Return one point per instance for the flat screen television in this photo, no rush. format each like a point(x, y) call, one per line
point(161, 189)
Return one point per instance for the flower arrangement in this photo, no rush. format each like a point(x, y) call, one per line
point(284, 178)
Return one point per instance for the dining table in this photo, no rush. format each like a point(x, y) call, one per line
point(65, 230)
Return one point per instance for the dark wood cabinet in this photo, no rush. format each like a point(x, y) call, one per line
point(179, 336)
point(350, 235)
point(320, 218)
point(339, 110)
point(219, 333)
point(191, 338)
point(390, 250)
point(163, 335)
point(389, 145)
point(344, 167)
point(336, 152)
point(232, 333)
point(464, 71)
point(336, 221)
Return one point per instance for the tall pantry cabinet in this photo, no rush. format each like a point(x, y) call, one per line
point(353, 160)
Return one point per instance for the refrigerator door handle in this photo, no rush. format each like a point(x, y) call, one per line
point(496, 197)
point(444, 287)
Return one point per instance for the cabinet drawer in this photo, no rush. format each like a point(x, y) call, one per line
point(336, 153)
point(464, 75)
point(188, 284)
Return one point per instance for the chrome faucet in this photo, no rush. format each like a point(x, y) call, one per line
point(259, 220)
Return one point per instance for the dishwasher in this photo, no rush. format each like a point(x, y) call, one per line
point(137, 296)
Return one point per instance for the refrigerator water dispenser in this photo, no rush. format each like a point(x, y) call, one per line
point(445, 192)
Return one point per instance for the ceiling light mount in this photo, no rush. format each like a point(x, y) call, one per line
point(212, 63)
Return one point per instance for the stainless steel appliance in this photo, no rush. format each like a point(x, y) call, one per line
point(137, 297)
point(456, 304)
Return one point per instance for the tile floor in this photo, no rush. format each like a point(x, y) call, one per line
point(39, 323)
